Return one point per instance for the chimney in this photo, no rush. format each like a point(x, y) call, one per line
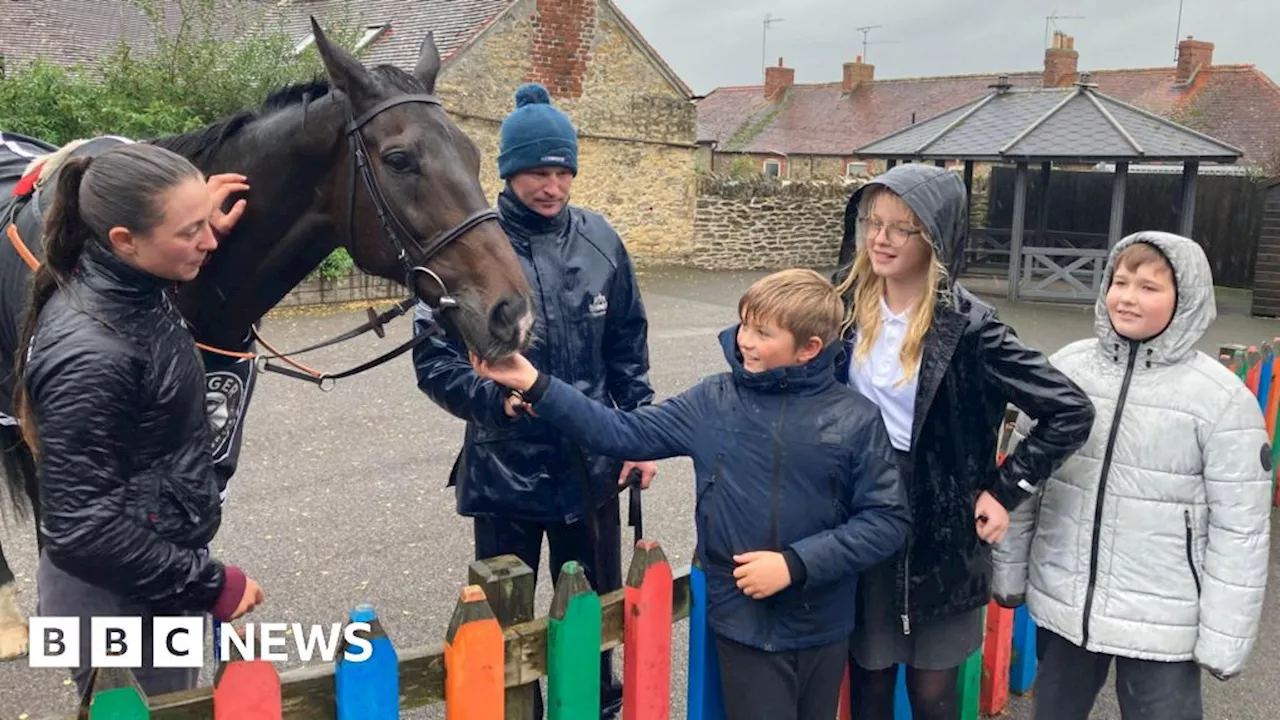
point(777, 80)
point(1193, 56)
point(856, 73)
point(1060, 61)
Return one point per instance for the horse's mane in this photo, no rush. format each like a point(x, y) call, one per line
point(199, 144)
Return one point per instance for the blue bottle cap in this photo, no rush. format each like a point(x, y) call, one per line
point(363, 613)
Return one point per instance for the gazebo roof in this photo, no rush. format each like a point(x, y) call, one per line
point(1076, 124)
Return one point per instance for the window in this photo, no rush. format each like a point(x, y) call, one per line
point(772, 168)
point(855, 169)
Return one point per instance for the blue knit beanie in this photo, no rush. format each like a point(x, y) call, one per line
point(536, 135)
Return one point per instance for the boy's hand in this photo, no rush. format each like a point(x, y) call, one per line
point(761, 574)
point(514, 372)
point(991, 517)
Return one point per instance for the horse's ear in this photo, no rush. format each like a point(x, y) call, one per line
point(428, 66)
point(344, 70)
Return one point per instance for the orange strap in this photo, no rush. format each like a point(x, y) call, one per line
point(34, 264)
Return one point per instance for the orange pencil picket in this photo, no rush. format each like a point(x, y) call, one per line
point(646, 670)
point(997, 656)
point(473, 660)
point(843, 712)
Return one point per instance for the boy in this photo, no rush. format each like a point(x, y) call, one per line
point(797, 490)
point(1150, 544)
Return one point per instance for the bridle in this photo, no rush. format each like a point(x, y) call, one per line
point(396, 232)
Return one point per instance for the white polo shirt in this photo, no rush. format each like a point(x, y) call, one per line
point(878, 377)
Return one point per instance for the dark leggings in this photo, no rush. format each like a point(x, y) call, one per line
point(932, 693)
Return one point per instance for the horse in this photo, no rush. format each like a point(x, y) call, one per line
point(365, 159)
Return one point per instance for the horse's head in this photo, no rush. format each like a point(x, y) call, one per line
point(412, 208)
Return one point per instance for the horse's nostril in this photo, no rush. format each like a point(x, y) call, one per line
point(506, 313)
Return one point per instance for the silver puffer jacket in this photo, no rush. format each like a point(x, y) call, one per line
point(1152, 541)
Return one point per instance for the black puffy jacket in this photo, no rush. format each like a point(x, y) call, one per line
point(129, 496)
point(972, 367)
point(590, 331)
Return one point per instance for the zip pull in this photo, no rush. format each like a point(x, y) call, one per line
point(1187, 515)
point(906, 624)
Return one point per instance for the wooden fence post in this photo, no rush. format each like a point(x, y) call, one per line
point(573, 648)
point(368, 689)
point(970, 681)
point(646, 673)
point(473, 660)
point(508, 586)
point(705, 695)
point(113, 694)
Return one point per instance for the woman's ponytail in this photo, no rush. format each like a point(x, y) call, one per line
point(64, 236)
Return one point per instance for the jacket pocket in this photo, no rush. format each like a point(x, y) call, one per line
point(705, 510)
point(1191, 557)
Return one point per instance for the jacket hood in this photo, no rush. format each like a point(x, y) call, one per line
point(1195, 308)
point(813, 376)
point(936, 195)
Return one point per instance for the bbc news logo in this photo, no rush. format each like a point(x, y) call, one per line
point(178, 642)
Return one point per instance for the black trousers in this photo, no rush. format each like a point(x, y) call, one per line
point(496, 536)
point(1069, 677)
point(796, 685)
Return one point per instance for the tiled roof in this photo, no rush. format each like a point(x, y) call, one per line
point(454, 22)
point(1236, 104)
point(1075, 123)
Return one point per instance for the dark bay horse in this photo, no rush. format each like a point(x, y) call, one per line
point(367, 160)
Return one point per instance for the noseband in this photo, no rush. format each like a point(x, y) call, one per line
point(391, 224)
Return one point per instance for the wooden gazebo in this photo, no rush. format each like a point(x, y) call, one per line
point(1076, 125)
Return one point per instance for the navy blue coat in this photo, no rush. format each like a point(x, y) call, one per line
point(786, 460)
point(590, 329)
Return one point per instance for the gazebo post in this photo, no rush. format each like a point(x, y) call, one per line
point(890, 163)
point(1119, 183)
point(1015, 235)
point(1042, 221)
point(1187, 209)
point(968, 188)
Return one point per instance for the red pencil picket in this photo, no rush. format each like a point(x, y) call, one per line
point(996, 656)
point(646, 685)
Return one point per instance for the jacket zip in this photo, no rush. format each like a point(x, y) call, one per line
point(1191, 562)
point(1102, 489)
point(775, 500)
point(906, 591)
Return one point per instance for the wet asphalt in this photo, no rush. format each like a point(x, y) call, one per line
point(340, 497)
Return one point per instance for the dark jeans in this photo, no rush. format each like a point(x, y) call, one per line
point(495, 536)
point(797, 685)
point(1069, 677)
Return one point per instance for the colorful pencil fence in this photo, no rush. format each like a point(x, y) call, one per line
point(495, 648)
point(1256, 366)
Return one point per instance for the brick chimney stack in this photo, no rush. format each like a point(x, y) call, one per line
point(1193, 56)
point(777, 80)
point(1060, 61)
point(856, 73)
point(563, 32)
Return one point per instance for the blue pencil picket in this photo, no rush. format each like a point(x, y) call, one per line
point(369, 689)
point(705, 696)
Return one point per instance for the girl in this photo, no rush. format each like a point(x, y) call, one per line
point(110, 394)
point(942, 368)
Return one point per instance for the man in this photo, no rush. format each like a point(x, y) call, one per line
point(518, 477)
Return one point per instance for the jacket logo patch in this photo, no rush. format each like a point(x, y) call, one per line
point(224, 392)
point(599, 306)
point(1266, 456)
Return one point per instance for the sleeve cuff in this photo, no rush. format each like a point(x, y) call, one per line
point(232, 591)
point(795, 566)
point(538, 389)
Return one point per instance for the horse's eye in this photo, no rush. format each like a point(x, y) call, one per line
point(400, 161)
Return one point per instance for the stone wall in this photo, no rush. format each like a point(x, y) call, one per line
point(636, 128)
point(760, 224)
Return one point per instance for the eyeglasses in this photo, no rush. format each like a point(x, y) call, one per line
point(897, 234)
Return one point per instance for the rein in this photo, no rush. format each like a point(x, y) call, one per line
point(325, 381)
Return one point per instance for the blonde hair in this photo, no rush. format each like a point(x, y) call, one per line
point(798, 300)
point(867, 289)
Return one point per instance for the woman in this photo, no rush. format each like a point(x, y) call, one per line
point(942, 368)
point(111, 397)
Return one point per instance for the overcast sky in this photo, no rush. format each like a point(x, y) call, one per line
point(713, 43)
